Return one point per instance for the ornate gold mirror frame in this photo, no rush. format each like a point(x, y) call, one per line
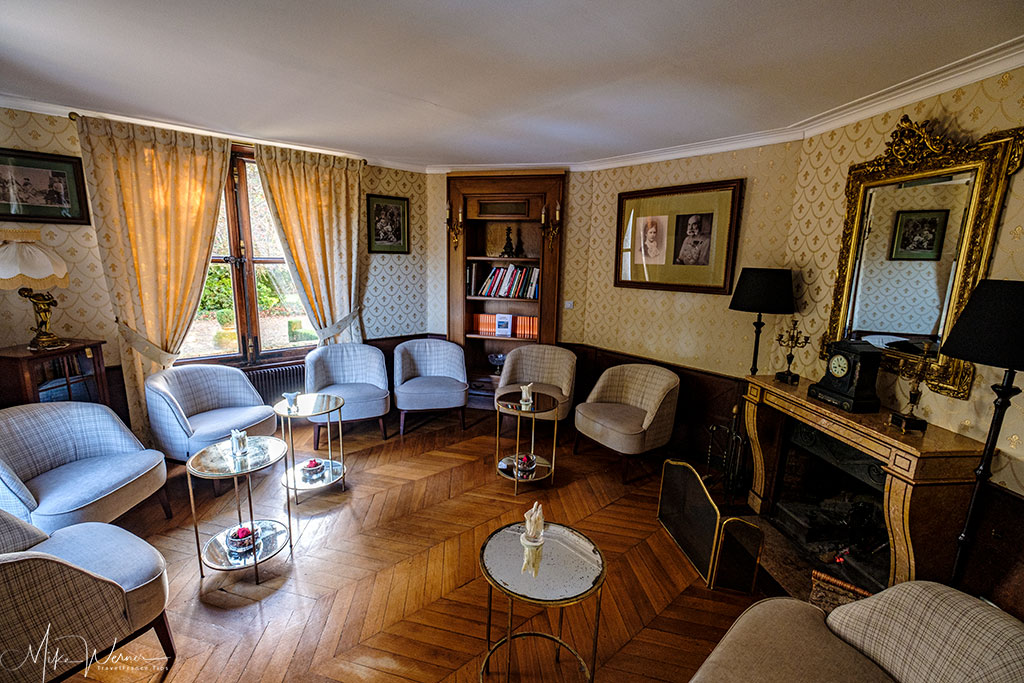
point(914, 153)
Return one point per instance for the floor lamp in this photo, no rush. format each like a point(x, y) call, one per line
point(988, 332)
point(763, 290)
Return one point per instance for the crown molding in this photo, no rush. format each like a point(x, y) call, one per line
point(985, 64)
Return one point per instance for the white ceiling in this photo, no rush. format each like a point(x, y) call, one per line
point(462, 83)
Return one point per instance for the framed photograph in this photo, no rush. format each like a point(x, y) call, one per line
point(387, 219)
point(918, 235)
point(680, 238)
point(42, 188)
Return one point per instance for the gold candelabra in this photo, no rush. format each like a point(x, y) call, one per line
point(550, 228)
point(454, 228)
point(790, 340)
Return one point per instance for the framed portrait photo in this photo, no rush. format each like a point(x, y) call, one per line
point(918, 235)
point(680, 238)
point(42, 188)
point(387, 219)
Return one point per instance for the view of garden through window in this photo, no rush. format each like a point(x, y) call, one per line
point(282, 321)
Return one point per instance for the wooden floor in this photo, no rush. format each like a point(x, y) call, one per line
point(384, 583)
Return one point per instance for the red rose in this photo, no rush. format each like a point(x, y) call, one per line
point(243, 532)
point(313, 463)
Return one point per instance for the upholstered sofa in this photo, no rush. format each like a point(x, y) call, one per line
point(67, 462)
point(914, 632)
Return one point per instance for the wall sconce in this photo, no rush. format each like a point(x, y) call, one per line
point(454, 229)
point(23, 265)
point(549, 229)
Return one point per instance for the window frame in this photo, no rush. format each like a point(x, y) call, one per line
point(243, 279)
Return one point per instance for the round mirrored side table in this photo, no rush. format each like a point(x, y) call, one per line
point(300, 478)
point(525, 465)
point(572, 569)
point(267, 536)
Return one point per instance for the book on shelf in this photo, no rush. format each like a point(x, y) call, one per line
point(510, 282)
point(503, 325)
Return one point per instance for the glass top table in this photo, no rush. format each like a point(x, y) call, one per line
point(217, 461)
point(571, 569)
point(299, 477)
point(525, 465)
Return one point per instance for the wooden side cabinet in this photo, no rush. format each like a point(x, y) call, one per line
point(73, 373)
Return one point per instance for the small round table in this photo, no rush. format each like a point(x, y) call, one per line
point(572, 569)
point(508, 466)
point(310, 405)
point(218, 462)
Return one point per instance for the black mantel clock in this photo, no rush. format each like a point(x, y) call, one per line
point(850, 377)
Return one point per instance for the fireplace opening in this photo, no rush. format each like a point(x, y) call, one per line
point(830, 504)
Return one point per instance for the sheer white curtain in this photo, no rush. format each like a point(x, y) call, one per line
point(314, 199)
point(154, 195)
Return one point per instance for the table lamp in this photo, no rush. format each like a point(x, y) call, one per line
point(24, 265)
point(988, 332)
point(763, 290)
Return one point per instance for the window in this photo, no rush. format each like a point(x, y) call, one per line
point(250, 310)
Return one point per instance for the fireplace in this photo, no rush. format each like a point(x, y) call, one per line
point(830, 503)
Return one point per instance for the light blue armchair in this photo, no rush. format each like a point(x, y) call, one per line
point(66, 462)
point(88, 587)
point(430, 374)
point(356, 373)
point(193, 406)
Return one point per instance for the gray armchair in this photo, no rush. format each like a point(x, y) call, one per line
point(89, 587)
point(65, 462)
point(430, 374)
point(193, 406)
point(631, 409)
point(551, 370)
point(356, 373)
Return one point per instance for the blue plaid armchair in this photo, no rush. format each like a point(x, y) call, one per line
point(66, 462)
point(89, 586)
point(430, 374)
point(356, 373)
point(193, 406)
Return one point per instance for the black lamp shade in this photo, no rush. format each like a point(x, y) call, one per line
point(764, 290)
point(988, 330)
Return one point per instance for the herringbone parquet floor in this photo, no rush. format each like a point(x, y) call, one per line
point(384, 584)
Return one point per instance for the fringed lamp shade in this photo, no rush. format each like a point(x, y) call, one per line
point(25, 264)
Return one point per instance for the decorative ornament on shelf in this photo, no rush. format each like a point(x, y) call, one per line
point(790, 340)
point(551, 228)
point(509, 250)
point(533, 540)
point(915, 371)
point(454, 229)
point(291, 397)
point(23, 265)
point(239, 442)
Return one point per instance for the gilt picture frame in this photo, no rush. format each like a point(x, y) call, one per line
point(387, 223)
point(37, 187)
point(681, 238)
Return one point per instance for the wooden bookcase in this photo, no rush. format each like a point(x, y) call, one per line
point(533, 206)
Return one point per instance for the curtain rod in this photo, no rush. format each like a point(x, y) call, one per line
point(73, 115)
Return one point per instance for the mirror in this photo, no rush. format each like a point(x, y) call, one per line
point(921, 221)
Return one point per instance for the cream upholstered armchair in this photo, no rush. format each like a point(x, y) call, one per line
point(67, 462)
point(631, 409)
point(551, 370)
point(193, 406)
point(356, 373)
point(87, 588)
point(430, 374)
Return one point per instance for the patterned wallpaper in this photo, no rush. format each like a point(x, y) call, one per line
point(906, 296)
point(817, 215)
point(83, 309)
point(437, 255)
point(395, 285)
point(687, 328)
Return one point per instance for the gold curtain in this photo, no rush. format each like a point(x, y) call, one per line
point(314, 199)
point(154, 194)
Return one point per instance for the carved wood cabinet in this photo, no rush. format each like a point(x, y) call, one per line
point(73, 373)
point(928, 477)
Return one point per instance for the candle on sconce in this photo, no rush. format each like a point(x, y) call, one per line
point(447, 211)
point(460, 215)
point(558, 211)
point(543, 213)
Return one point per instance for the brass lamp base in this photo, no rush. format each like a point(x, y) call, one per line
point(42, 302)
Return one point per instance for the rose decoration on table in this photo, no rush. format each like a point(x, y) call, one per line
point(313, 467)
point(243, 538)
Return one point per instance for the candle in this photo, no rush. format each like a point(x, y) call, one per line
point(460, 216)
point(558, 211)
point(543, 213)
point(447, 211)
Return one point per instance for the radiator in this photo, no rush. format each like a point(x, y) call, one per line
point(272, 382)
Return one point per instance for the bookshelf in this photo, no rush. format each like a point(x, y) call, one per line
point(484, 284)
